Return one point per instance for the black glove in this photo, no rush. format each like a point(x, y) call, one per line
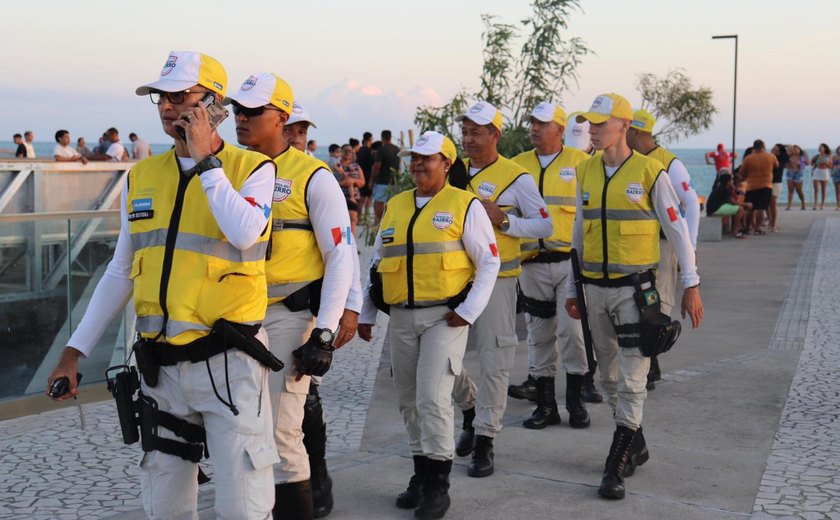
point(314, 357)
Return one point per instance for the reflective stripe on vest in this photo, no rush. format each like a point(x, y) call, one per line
point(489, 183)
point(295, 256)
point(200, 244)
point(621, 230)
point(557, 184)
point(423, 260)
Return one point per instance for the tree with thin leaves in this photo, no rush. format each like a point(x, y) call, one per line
point(681, 109)
point(546, 68)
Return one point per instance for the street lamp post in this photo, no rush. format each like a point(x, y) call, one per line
point(735, 94)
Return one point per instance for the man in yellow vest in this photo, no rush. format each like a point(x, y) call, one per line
point(309, 272)
point(622, 202)
point(545, 268)
point(192, 245)
point(640, 138)
point(516, 210)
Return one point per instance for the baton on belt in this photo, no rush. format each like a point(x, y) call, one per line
point(584, 316)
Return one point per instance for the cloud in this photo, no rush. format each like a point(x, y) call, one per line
point(351, 107)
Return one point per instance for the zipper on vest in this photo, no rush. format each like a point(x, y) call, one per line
point(169, 248)
point(409, 252)
point(607, 180)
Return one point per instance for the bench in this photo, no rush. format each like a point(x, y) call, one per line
point(710, 229)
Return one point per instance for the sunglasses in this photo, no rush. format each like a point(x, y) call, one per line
point(251, 112)
point(176, 98)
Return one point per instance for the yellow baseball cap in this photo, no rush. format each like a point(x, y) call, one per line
point(606, 106)
point(264, 88)
point(430, 143)
point(547, 112)
point(483, 113)
point(643, 121)
point(185, 69)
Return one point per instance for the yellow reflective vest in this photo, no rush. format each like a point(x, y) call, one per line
point(489, 183)
point(186, 274)
point(424, 262)
point(620, 227)
point(663, 156)
point(557, 184)
point(295, 258)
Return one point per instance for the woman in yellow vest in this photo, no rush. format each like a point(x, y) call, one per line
point(437, 258)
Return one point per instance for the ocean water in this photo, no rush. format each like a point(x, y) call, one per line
point(702, 174)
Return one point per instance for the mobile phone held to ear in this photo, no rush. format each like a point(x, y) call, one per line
point(215, 110)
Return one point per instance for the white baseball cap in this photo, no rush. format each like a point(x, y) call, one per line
point(483, 113)
point(577, 134)
point(264, 88)
point(430, 143)
point(299, 113)
point(547, 112)
point(185, 69)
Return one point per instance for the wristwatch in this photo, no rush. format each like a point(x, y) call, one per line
point(208, 163)
point(505, 224)
point(324, 336)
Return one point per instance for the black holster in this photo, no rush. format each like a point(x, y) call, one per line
point(377, 295)
point(307, 297)
point(459, 298)
point(231, 334)
point(538, 308)
point(146, 361)
point(657, 332)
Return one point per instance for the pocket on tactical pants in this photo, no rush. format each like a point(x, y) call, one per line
point(507, 341)
point(288, 404)
point(456, 364)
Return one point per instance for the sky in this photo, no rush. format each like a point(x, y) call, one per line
point(367, 65)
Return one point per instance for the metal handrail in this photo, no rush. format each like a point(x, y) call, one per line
point(58, 215)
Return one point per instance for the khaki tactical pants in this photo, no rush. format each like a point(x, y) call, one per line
point(623, 370)
point(547, 282)
point(666, 277)
point(287, 331)
point(496, 341)
point(241, 445)
point(426, 355)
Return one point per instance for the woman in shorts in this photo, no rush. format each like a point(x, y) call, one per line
point(350, 177)
point(821, 173)
point(794, 174)
point(835, 178)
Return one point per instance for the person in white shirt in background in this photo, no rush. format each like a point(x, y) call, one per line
point(28, 137)
point(311, 146)
point(115, 151)
point(140, 149)
point(63, 152)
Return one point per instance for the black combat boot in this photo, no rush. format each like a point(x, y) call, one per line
point(527, 390)
point(466, 442)
point(481, 464)
point(434, 500)
point(578, 416)
point(546, 412)
point(293, 501)
point(589, 392)
point(654, 374)
point(409, 498)
point(315, 441)
point(639, 453)
point(612, 483)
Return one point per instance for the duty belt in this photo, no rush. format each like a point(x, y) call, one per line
point(624, 281)
point(548, 257)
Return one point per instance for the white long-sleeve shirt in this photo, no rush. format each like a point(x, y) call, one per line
point(241, 222)
point(354, 297)
point(327, 212)
point(673, 225)
point(684, 188)
point(524, 195)
point(479, 244)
